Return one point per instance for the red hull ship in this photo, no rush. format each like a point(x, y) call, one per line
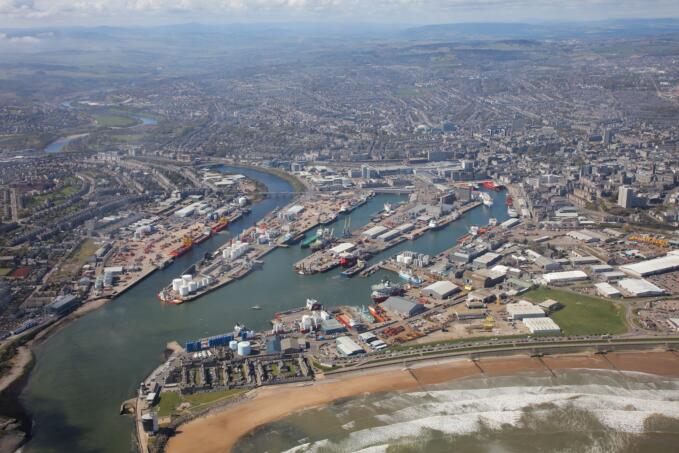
point(490, 185)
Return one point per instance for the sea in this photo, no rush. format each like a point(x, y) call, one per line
point(576, 411)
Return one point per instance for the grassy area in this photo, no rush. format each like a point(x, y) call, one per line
point(199, 399)
point(4, 271)
point(583, 315)
point(112, 120)
point(55, 197)
point(170, 401)
point(76, 260)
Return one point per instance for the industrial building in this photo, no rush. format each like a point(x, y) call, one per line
point(510, 223)
point(550, 305)
point(667, 263)
point(375, 231)
point(564, 277)
point(607, 290)
point(344, 247)
point(638, 287)
point(332, 326)
point(524, 309)
point(63, 305)
point(403, 307)
point(441, 289)
point(348, 347)
point(486, 260)
point(542, 326)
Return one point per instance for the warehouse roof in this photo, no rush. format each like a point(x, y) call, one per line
point(402, 306)
point(639, 287)
point(347, 346)
point(541, 325)
point(655, 266)
point(523, 308)
point(607, 290)
point(374, 231)
point(442, 288)
point(564, 276)
point(343, 247)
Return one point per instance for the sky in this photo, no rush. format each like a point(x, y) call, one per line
point(48, 13)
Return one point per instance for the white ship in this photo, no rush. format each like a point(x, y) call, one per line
point(486, 199)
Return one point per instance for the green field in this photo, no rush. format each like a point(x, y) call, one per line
point(583, 315)
point(112, 120)
point(169, 401)
point(5, 271)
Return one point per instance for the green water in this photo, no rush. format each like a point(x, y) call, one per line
point(86, 370)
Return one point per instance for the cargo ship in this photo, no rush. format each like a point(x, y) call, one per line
point(355, 269)
point(490, 185)
point(220, 225)
point(382, 291)
point(188, 243)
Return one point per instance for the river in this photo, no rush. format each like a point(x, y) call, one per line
point(84, 371)
point(59, 144)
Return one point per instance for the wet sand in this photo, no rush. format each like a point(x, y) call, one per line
point(219, 432)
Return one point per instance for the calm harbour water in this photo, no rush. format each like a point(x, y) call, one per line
point(85, 371)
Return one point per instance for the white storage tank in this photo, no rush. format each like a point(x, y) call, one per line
point(187, 278)
point(242, 201)
point(205, 282)
point(307, 322)
point(183, 290)
point(244, 348)
point(193, 286)
point(210, 279)
point(233, 345)
point(177, 283)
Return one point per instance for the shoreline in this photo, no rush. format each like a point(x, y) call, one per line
point(222, 430)
point(16, 379)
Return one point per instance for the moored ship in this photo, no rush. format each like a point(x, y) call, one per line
point(385, 289)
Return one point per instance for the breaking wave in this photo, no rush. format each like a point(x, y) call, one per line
point(603, 415)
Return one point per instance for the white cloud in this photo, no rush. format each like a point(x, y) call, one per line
point(27, 39)
point(443, 10)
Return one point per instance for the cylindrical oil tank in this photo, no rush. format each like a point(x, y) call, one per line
point(244, 348)
point(193, 286)
point(183, 290)
point(233, 345)
point(177, 283)
point(187, 278)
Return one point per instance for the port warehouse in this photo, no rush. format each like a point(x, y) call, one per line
point(661, 265)
point(441, 289)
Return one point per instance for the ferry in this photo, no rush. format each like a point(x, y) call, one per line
point(486, 199)
point(410, 278)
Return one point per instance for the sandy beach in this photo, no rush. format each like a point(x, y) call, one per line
point(221, 431)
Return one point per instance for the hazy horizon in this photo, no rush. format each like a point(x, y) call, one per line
point(60, 13)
